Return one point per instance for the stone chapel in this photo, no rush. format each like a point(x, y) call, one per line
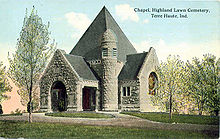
point(103, 72)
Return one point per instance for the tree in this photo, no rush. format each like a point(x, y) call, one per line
point(4, 85)
point(213, 83)
point(212, 68)
point(32, 53)
point(203, 83)
point(25, 97)
point(170, 83)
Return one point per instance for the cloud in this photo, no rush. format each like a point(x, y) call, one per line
point(79, 21)
point(185, 50)
point(146, 21)
point(125, 12)
point(142, 46)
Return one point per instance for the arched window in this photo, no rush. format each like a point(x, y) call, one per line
point(152, 83)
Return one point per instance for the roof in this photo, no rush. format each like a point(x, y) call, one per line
point(132, 66)
point(78, 63)
point(89, 44)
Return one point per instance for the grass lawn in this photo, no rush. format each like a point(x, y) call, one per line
point(16, 129)
point(80, 115)
point(177, 118)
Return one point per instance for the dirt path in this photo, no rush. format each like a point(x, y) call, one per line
point(119, 120)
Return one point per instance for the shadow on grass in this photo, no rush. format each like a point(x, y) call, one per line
point(176, 118)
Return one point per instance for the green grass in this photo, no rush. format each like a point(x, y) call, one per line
point(80, 115)
point(14, 114)
point(177, 118)
point(16, 129)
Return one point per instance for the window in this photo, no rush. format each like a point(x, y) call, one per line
point(105, 52)
point(152, 83)
point(114, 52)
point(126, 91)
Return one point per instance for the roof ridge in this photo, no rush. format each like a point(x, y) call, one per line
point(74, 55)
point(106, 21)
point(107, 25)
point(104, 10)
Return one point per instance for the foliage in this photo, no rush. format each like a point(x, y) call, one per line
point(80, 115)
point(170, 83)
point(16, 129)
point(203, 83)
point(12, 114)
point(61, 104)
point(30, 58)
point(177, 118)
point(189, 87)
point(4, 83)
point(17, 111)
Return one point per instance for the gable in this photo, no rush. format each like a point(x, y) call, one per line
point(57, 63)
point(89, 44)
point(75, 65)
point(150, 63)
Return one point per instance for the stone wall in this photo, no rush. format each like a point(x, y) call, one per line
point(97, 66)
point(149, 65)
point(109, 78)
point(132, 102)
point(109, 85)
point(58, 70)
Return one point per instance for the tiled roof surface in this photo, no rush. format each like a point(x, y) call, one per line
point(132, 66)
point(89, 44)
point(80, 66)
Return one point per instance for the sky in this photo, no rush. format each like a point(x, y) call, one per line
point(187, 37)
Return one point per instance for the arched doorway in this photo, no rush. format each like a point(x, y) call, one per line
point(58, 97)
point(152, 83)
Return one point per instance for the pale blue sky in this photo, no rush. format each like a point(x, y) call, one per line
point(194, 36)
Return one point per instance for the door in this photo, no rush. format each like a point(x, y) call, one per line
point(86, 99)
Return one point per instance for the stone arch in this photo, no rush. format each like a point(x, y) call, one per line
point(58, 70)
point(58, 96)
point(152, 83)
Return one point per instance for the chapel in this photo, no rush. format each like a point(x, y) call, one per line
point(103, 72)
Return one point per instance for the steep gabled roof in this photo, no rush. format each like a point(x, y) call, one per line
point(80, 66)
point(89, 44)
point(132, 66)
